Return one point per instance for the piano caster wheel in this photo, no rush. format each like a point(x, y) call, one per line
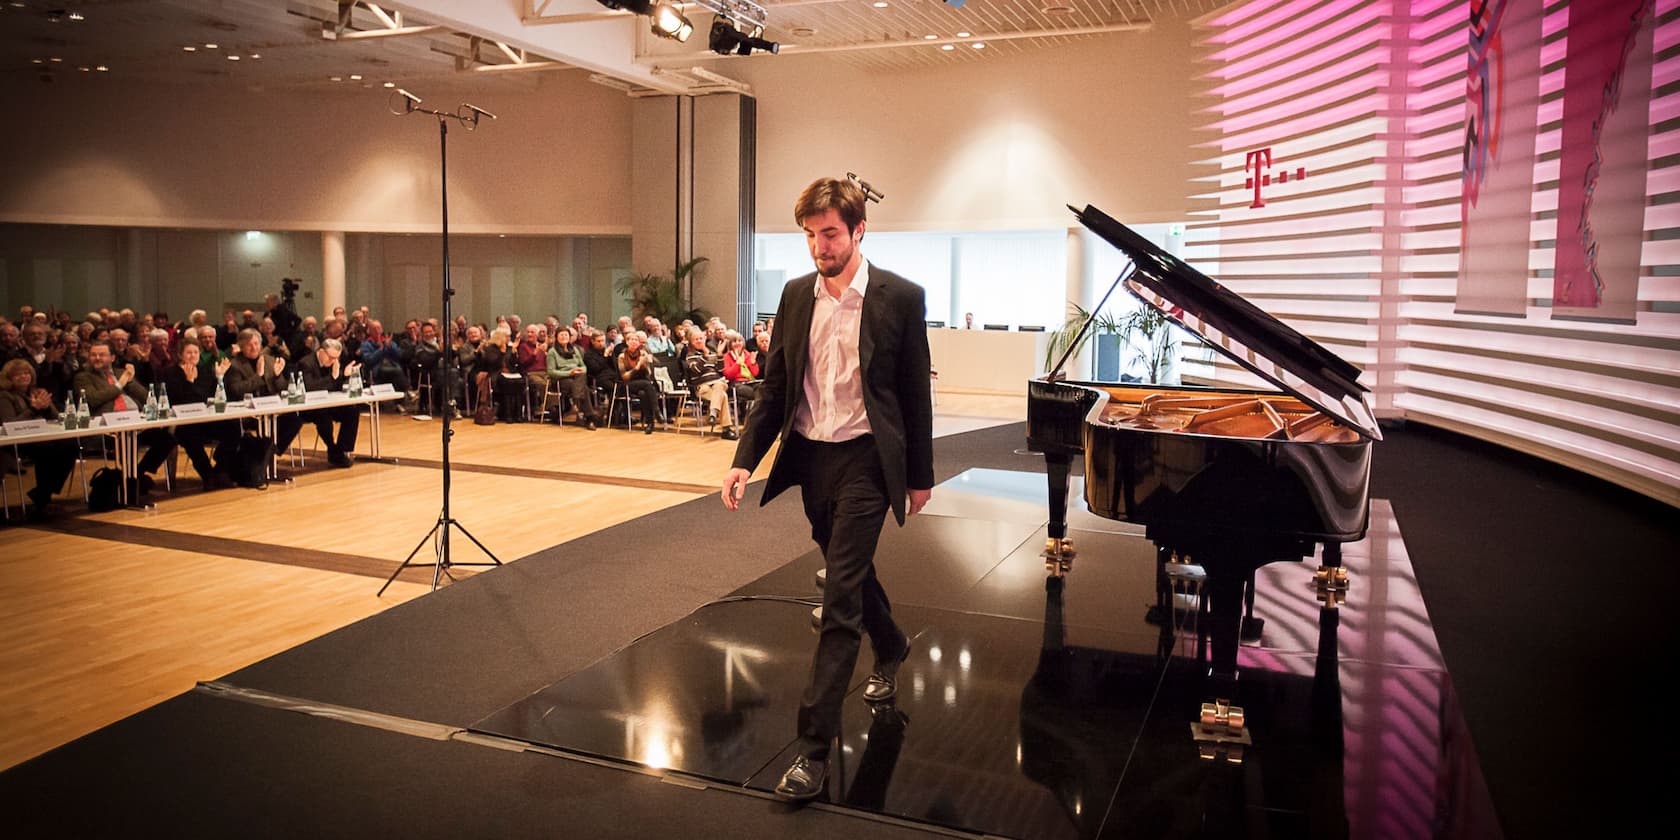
point(1058, 556)
point(1330, 585)
point(1220, 713)
point(1231, 753)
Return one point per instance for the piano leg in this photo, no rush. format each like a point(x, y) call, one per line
point(1252, 626)
point(1058, 549)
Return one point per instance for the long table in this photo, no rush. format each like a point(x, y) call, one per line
point(127, 434)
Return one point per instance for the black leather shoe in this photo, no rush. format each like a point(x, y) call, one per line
point(805, 779)
point(729, 433)
point(883, 684)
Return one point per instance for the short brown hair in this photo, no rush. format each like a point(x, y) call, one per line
point(843, 197)
point(11, 369)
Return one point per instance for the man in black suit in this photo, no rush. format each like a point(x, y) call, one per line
point(845, 385)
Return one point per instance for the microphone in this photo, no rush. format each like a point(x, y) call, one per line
point(477, 111)
point(412, 100)
point(869, 193)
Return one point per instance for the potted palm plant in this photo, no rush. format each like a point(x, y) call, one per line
point(1140, 346)
point(665, 296)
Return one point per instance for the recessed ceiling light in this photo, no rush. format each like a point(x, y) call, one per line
point(254, 56)
point(85, 69)
point(189, 49)
point(212, 46)
point(979, 45)
point(37, 61)
point(390, 84)
point(103, 69)
point(355, 78)
point(947, 47)
point(962, 34)
point(880, 4)
point(56, 60)
point(337, 78)
point(929, 37)
point(76, 16)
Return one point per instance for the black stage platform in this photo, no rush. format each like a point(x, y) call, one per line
point(1039, 711)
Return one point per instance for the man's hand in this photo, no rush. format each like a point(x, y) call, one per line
point(734, 487)
point(221, 368)
point(39, 399)
point(279, 365)
point(127, 376)
point(919, 500)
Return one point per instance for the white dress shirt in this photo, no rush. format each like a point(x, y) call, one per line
point(832, 410)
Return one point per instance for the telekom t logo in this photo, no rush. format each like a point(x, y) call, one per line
point(1258, 162)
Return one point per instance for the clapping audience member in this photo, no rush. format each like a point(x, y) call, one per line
point(603, 370)
point(323, 372)
point(21, 400)
point(740, 367)
point(567, 369)
point(382, 359)
point(158, 357)
point(273, 344)
point(110, 390)
point(186, 383)
point(227, 337)
point(52, 373)
point(307, 339)
point(705, 379)
point(635, 371)
point(532, 362)
point(424, 360)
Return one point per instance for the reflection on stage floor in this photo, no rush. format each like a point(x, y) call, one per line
point(1061, 710)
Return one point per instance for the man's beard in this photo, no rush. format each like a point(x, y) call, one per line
point(839, 265)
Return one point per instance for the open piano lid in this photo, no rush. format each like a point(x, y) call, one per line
point(1240, 330)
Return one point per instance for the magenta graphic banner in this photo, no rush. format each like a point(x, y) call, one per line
point(1502, 104)
point(1601, 176)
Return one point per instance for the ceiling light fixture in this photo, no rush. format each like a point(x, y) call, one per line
point(880, 4)
point(212, 46)
point(189, 49)
point(103, 69)
point(947, 47)
point(233, 58)
point(639, 7)
point(962, 34)
point(390, 84)
point(336, 78)
point(726, 39)
point(979, 45)
point(254, 56)
point(354, 77)
point(929, 37)
point(76, 16)
point(669, 23)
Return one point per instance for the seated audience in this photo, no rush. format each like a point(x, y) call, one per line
point(566, 368)
point(706, 381)
point(635, 371)
point(108, 390)
point(323, 372)
point(21, 400)
point(740, 367)
point(185, 383)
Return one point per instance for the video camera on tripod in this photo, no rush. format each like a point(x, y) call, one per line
point(285, 316)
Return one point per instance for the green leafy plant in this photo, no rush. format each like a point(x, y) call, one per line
point(665, 296)
point(1155, 352)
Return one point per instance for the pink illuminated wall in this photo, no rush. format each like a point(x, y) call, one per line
point(1337, 140)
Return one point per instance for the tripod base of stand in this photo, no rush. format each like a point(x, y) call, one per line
point(441, 566)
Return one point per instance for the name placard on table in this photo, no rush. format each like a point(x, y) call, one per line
point(268, 402)
point(119, 418)
point(382, 389)
point(25, 427)
point(191, 410)
point(312, 397)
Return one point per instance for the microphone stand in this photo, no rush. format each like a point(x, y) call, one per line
point(440, 530)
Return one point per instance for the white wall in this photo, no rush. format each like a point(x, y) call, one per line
point(200, 156)
point(996, 143)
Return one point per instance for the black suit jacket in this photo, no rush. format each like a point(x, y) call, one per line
point(897, 393)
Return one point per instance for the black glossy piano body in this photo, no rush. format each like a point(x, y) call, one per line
point(1227, 479)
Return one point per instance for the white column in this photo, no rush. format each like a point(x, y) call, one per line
point(332, 271)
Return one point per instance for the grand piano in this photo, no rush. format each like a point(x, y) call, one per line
point(1224, 480)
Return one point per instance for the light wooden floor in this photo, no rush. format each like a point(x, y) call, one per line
point(107, 614)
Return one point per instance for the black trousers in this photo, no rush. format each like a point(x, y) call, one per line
point(846, 501)
point(160, 444)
